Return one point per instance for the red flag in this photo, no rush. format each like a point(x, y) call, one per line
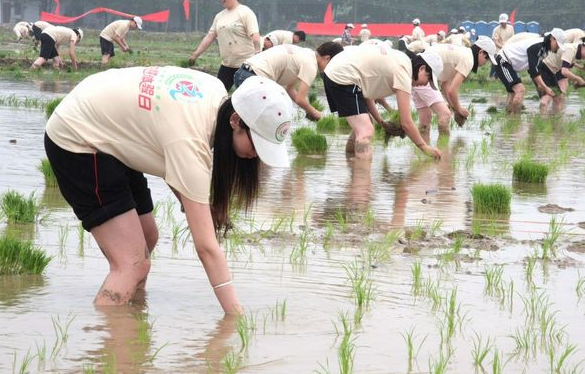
point(186, 6)
point(57, 8)
point(512, 16)
point(328, 18)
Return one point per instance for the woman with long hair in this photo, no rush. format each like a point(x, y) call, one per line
point(177, 124)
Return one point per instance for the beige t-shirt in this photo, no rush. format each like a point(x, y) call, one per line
point(42, 24)
point(574, 35)
point(377, 69)
point(456, 59)
point(283, 36)
point(502, 34)
point(417, 33)
point(117, 28)
point(157, 120)
point(458, 39)
point(365, 35)
point(61, 35)
point(431, 39)
point(234, 29)
point(554, 61)
point(284, 64)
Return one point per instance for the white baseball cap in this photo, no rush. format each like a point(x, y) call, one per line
point(273, 39)
point(416, 21)
point(138, 21)
point(503, 18)
point(488, 45)
point(364, 25)
point(442, 33)
point(267, 110)
point(436, 63)
point(350, 25)
point(559, 35)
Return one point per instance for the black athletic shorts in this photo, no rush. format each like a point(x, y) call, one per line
point(507, 74)
point(48, 49)
point(346, 100)
point(37, 32)
point(98, 186)
point(107, 47)
point(226, 76)
point(548, 77)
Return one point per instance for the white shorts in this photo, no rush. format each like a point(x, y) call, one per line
point(425, 96)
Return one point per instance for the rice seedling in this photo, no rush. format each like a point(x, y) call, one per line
point(418, 231)
point(452, 253)
point(63, 233)
point(343, 125)
point(246, 326)
point(88, 368)
point(61, 333)
point(479, 100)
point(534, 304)
point(346, 350)
point(81, 238)
point(144, 328)
point(23, 368)
point(555, 232)
point(41, 353)
point(528, 275)
point(580, 288)
point(307, 141)
point(361, 284)
point(342, 218)
point(328, 236)
point(491, 199)
point(557, 364)
point(529, 171)
point(184, 63)
point(411, 348)
point(19, 209)
point(21, 257)
point(439, 366)
point(231, 363)
point(299, 251)
point(315, 102)
point(492, 110)
point(109, 363)
point(493, 280)
point(279, 311)
point(416, 278)
point(480, 350)
point(47, 170)
point(51, 106)
point(375, 253)
point(435, 227)
point(497, 364)
point(369, 218)
point(452, 314)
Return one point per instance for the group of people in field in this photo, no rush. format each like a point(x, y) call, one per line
point(181, 125)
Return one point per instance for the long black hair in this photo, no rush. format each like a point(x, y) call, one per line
point(417, 61)
point(234, 180)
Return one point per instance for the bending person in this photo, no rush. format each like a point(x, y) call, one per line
point(292, 67)
point(53, 37)
point(116, 32)
point(356, 77)
point(526, 54)
point(178, 124)
point(237, 33)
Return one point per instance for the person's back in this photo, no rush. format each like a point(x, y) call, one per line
point(284, 64)
point(117, 28)
point(574, 36)
point(282, 36)
point(456, 59)
point(521, 36)
point(517, 53)
point(61, 35)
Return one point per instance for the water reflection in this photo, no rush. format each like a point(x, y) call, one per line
point(21, 231)
point(54, 86)
point(15, 289)
point(529, 189)
point(52, 198)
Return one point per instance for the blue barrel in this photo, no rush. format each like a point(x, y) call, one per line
point(481, 28)
point(533, 27)
point(519, 26)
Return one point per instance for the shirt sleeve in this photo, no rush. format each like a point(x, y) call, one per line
point(307, 71)
point(534, 59)
point(213, 27)
point(251, 22)
point(402, 80)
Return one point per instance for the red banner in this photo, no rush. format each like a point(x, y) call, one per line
point(57, 7)
point(186, 9)
point(329, 27)
point(160, 17)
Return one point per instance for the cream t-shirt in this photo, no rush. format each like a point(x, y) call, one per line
point(431, 39)
point(61, 35)
point(502, 34)
point(574, 35)
point(117, 28)
point(417, 33)
point(418, 46)
point(456, 59)
point(284, 64)
point(234, 29)
point(554, 61)
point(377, 69)
point(365, 35)
point(156, 120)
point(283, 36)
point(42, 24)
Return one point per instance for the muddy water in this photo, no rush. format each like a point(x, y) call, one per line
point(182, 330)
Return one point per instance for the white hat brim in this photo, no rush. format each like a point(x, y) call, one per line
point(272, 154)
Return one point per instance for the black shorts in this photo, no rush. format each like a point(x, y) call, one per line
point(37, 32)
point(98, 186)
point(548, 77)
point(48, 49)
point(107, 47)
point(507, 74)
point(226, 76)
point(346, 100)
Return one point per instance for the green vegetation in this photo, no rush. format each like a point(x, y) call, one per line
point(479, 100)
point(491, 199)
point(25, 102)
point(47, 170)
point(315, 102)
point(19, 209)
point(530, 171)
point(51, 106)
point(20, 257)
point(327, 124)
point(307, 141)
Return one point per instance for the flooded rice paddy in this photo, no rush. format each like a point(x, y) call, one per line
point(398, 236)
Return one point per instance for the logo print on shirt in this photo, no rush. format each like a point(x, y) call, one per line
point(182, 88)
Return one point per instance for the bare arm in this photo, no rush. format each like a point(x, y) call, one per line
point(371, 104)
point(211, 255)
point(567, 73)
point(256, 40)
point(451, 90)
point(542, 86)
point(403, 100)
point(121, 42)
point(300, 98)
point(385, 104)
point(205, 43)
